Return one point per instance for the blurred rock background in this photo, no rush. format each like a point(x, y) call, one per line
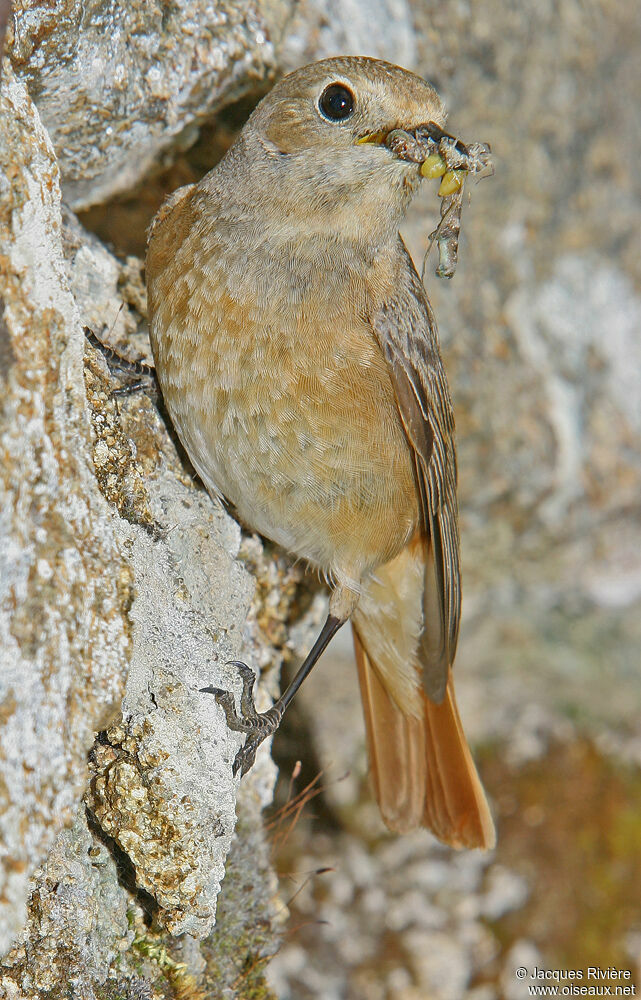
point(541, 333)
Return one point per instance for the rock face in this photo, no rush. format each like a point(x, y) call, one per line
point(116, 83)
point(66, 589)
point(384, 29)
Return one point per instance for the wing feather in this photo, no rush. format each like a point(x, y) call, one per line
point(406, 331)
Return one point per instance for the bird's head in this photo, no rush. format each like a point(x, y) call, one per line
point(318, 139)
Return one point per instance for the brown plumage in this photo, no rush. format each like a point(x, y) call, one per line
point(299, 361)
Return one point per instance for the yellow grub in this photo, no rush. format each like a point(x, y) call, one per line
point(433, 166)
point(452, 182)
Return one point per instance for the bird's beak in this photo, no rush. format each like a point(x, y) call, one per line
point(375, 138)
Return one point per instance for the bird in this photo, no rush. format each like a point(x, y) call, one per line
point(298, 359)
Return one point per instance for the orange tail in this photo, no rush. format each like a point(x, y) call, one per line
point(421, 765)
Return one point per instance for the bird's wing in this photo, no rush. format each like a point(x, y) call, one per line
point(406, 331)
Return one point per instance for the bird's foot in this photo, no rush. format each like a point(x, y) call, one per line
point(137, 376)
point(256, 725)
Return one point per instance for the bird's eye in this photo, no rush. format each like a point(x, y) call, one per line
point(336, 103)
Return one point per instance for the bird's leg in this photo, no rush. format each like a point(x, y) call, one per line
point(258, 726)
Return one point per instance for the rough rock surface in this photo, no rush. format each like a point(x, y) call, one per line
point(116, 84)
point(318, 28)
point(65, 586)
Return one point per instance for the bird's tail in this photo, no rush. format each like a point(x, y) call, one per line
point(421, 765)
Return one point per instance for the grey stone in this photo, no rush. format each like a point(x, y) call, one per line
point(319, 28)
point(504, 891)
point(118, 84)
point(65, 586)
point(76, 900)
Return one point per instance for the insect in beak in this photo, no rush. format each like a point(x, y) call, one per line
point(434, 164)
point(439, 154)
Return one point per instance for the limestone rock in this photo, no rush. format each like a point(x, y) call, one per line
point(65, 586)
point(319, 28)
point(116, 84)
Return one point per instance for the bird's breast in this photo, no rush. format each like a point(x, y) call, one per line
point(283, 400)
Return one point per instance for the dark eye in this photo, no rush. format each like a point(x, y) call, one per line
point(336, 102)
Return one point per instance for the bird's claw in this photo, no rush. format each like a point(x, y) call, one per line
point(256, 726)
point(246, 756)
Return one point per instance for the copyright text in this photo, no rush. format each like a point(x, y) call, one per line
point(594, 981)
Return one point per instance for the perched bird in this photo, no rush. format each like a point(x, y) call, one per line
point(298, 359)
